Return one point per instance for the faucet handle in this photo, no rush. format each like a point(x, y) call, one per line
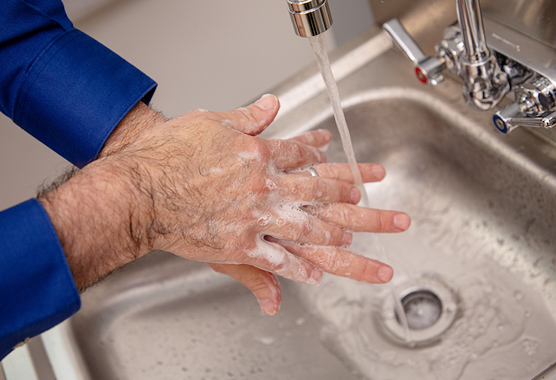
point(535, 106)
point(512, 116)
point(427, 69)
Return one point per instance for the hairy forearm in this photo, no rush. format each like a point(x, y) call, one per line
point(93, 213)
point(138, 120)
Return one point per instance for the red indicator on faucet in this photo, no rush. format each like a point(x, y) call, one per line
point(421, 75)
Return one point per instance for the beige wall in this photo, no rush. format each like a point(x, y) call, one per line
point(216, 55)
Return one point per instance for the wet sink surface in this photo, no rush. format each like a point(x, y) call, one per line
point(165, 318)
point(484, 221)
point(481, 228)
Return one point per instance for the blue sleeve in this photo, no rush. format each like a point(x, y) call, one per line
point(37, 290)
point(60, 85)
point(69, 92)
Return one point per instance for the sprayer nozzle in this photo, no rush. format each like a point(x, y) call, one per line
point(310, 17)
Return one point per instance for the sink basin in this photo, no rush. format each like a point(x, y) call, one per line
point(476, 271)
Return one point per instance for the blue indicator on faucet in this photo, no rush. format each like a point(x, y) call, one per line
point(500, 124)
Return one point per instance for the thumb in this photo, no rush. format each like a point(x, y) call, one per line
point(253, 119)
point(262, 284)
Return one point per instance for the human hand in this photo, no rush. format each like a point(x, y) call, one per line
point(335, 259)
point(266, 287)
point(207, 192)
point(201, 187)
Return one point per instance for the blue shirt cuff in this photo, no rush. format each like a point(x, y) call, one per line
point(37, 290)
point(75, 93)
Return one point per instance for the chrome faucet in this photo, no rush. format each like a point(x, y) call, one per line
point(489, 71)
point(310, 17)
point(485, 84)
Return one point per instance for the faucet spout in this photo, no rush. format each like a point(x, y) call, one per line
point(485, 83)
point(471, 22)
point(310, 17)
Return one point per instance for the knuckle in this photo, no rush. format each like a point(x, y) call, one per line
point(299, 151)
point(326, 259)
point(303, 232)
point(306, 154)
point(365, 269)
point(198, 113)
point(321, 258)
point(245, 115)
point(248, 115)
point(280, 267)
point(337, 263)
point(382, 222)
point(258, 149)
point(326, 171)
point(334, 171)
point(331, 262)
point(346, 215)
point(257, 285)
point(309, 138)
point(317, 190)
point(336, 236)
point(346, 191)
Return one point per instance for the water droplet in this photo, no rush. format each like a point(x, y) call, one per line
point(266, 340)
point(530, 346)
point(518, 295)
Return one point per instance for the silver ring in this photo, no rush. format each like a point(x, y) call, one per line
point(313, 171)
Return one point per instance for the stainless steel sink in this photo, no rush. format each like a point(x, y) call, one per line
point(479, 258)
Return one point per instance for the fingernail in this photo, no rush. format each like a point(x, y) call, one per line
point(378, 172)
point(355, 195)
point(324, 148)
point(402, 221)
point(268, 306)
point(316, 276)
point(267, 102)
point(385, 274)
point(326, 135)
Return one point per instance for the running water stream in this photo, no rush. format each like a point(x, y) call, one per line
point(332, 88)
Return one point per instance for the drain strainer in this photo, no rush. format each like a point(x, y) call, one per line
point(422, 309)
point(429, 307)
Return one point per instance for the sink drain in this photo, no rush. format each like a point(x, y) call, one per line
point(422, 309)
point(429, 307)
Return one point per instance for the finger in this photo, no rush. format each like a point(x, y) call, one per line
point(318, 138)
point(292, 223)
point(288, 155)
point(341, 262)
point(262, 284)
point(316, 189)
point(274, 258)
point(342, 172)
point(253, 119)
point(360, 219)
